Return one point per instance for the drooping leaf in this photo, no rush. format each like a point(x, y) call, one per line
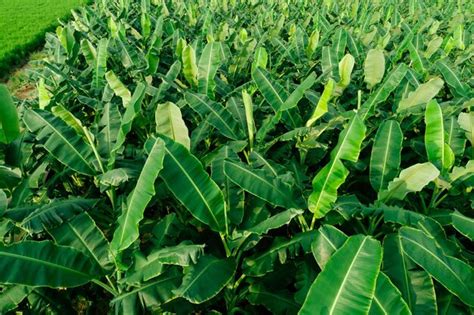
point(220, 117)
point(347, 282)
point(9, 123)
point(276, 221)
point(127, 230)
point(258, 183)
point(55, 213)
point(192, 186)
point(416, 287)
point(387, 298)
point(83, 234)
point(61, 141)
point(382, 93)
point(206, 279)
point(149, 294)
point(12, 296)
point(452, 78)
point(386, 154)
point(170, 123)
point(118, 87)
point(463, 224)
point(328, 240)
point(322, 106)
point(261, 263)
point(298, 93)
point(45, 264)
point(277, 302)
point(422, 95)
point(151, 266)
point(411, 179)
point(454, 274)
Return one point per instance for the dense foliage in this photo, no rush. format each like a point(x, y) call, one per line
point(23, 24)
point(244, 156)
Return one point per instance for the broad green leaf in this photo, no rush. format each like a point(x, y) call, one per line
point(298, 93)
point(10, 297)
point(109, 125)
point(55, 213)
point(325, 186)
point(457, 87)
point(207, 68)
point(329, 61)
point(454, 136)
point(132, 213)
point(206, 279)
point(119, 88)
point(327, 241)
point(192, 186)
point(454, 274)
point(9, 123)
point(347, 282)
point(258, 183)
point(463, 224)
point(276, 301)
point(276, 221)
point(340, 43)
point(434, 135)
point(170, 123)
point(411, 179)
point(333, 175)
point(89, 52)
point(280, 251)
point(386, 154)
point(387, 298)
point(374, 67)
point(391, 82)
point(43, 264)
point(83, 234)
point(416, 287)
point(322, 106)
point(60, 140)
point(190, 68)
point(219, 116)
point(422, 95)
point(100, 66)
point(466, 121)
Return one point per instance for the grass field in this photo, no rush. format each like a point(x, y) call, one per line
point(23, 24)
